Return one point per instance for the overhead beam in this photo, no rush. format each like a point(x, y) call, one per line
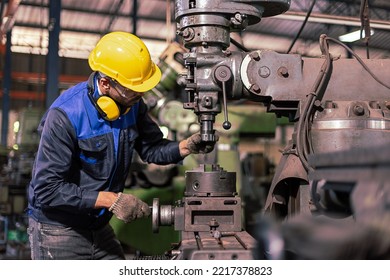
point(332, 19)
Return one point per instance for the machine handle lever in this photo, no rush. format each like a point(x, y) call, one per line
point(223, 74)
point(226, 124)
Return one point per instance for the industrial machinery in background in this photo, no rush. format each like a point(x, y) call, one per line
point(336, 105)
point(355, 182)
point(15, 176)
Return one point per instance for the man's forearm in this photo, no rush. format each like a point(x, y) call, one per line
point(184, 151)
point(105, 199)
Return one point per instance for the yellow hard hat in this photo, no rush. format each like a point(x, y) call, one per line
point(125, 58)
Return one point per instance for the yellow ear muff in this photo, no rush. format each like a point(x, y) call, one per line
point(109, 107)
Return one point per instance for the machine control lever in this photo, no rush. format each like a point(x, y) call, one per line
point(223, 74)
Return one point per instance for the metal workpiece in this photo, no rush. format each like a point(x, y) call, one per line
point(201, 182)
point(162, 215)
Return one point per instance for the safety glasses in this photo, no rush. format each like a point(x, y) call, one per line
point(123, 91)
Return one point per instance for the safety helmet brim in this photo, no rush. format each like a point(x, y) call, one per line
point(148, 84)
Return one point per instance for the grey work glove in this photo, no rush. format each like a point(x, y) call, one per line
point(128, 207)
point(196, 146)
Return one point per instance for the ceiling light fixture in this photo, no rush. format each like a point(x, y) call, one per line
point(354, 36)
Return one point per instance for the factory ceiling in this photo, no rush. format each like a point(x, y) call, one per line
point(295, 31)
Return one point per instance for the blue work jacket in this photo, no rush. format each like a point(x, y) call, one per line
point(81, 154)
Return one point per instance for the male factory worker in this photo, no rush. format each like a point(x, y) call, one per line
point(88, 136)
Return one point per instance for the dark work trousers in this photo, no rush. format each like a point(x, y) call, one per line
point(54, 242)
